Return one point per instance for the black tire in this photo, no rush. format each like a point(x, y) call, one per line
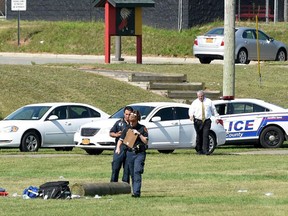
point(205, 60)
point(281, 55)
point(242, 57)
point(30, 142)
point(272, 137)
point(166, 151)
point(212, 143)
point(94, 151)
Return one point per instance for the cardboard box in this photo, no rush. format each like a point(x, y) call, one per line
point(130, 138)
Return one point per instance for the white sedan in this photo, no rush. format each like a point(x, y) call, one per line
point(253, 121)
point(211, 46)
point(168, 126)
point(46, 125)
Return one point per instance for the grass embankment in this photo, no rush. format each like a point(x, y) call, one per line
point(22, 85)
point(88, 38)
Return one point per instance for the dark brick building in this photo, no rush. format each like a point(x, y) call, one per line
point(169, 14)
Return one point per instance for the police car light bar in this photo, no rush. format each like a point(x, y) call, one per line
point(228, 98)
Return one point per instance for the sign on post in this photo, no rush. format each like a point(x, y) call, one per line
point(18, 5)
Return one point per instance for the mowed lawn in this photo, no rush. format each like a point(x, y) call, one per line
point(182, 183)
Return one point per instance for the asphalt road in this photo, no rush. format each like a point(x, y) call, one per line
point(29, 59)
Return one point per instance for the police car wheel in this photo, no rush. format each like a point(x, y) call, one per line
point(212, 143)
point(272, 137)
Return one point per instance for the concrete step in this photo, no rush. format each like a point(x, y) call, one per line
point(192, 95)
point(146, 77)
point(176, 86)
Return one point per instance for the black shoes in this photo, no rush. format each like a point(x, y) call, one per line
point(202, 153)
point(136, 195)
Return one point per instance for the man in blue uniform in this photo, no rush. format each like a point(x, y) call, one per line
point(137, 154)
point(119, 159)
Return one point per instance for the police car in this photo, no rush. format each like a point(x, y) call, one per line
point(253, 121)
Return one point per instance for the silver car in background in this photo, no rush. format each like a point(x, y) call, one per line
point(211, 46)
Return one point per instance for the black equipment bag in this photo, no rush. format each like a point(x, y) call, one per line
point(55, 190)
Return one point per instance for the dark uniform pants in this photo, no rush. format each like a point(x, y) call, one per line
point(202, 140)
point(136, 162)
point(119, 160)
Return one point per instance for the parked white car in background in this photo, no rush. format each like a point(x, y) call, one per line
point(168, 125)
point(253, 121)
point(46, 125)
point(210, 46)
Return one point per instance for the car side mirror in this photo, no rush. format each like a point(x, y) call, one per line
point(156, 119)
point(53, 117)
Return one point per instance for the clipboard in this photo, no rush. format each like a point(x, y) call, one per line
point(130, 138)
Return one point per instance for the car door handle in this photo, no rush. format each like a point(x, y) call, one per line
point(68, 123)
point(176, 123)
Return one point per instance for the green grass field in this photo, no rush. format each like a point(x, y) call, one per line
point(181, 183)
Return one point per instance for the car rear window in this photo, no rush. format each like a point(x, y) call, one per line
point(217, 31)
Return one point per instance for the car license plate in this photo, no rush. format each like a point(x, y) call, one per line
point(209, 40)
point(85, 141)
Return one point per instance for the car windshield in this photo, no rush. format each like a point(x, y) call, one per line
point(28, 113)
point(144, 111)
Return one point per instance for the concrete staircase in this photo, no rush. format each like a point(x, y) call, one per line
point(172, 86)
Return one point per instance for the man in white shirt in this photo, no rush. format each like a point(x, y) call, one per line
point(200, 112)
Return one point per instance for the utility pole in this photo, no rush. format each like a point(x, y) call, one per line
point(285, 10)
point(229, 50)
point(267, 11)
point(275, 11)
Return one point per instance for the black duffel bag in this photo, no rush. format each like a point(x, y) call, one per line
point(55, 190)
